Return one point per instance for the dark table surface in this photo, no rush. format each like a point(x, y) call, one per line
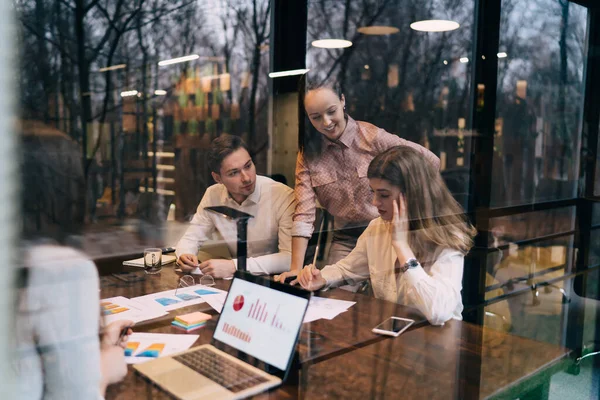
point(342, 358)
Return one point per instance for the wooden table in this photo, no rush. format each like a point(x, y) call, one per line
point(448, 362)
point(342, 358)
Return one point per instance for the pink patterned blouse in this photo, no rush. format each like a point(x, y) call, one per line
point(337, 178)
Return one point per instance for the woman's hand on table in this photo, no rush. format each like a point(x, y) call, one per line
point(310, 278)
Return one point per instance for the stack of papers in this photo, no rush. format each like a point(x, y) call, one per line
point(142, 347)
point(191, 321)
point(139, 262)
point(117, 308)
point(178, 298)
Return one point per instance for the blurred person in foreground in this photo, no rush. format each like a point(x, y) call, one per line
point(61, 350)
point(414, 251)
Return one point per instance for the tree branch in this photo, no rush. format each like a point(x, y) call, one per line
point(87, 8)
point(52, 42)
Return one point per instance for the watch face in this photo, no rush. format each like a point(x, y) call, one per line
point(412, 263)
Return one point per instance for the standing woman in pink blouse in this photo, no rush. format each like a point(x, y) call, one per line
point(331, 168)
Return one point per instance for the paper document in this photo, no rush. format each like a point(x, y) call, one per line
point(139, 262)
point(216, 301)
point(116, 308)
point(174, 299)
point(142, 347)
point(324, 308)
point(318, 308)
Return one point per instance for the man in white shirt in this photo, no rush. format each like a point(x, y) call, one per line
point(271, 204)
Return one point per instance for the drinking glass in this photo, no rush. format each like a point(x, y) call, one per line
point(152, 260)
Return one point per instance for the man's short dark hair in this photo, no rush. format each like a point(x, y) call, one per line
point(221, 147)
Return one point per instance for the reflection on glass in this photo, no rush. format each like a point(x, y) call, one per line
point(515, 228)
point(532, 270)
point(150, 91)
point(409, 83)
point(539, 103)
point(597, 182)
point(594, 258)
point(596, 213)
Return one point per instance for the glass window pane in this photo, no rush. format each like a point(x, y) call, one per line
point(519, 267)
point(539, 103)
point(143, 116)
point(541, 318)
point(597, 181)
point(525, 226)
point(596, 213)
point(410, 83)
point(594, 257)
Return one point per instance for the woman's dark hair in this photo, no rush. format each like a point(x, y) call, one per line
point(309, 139)
point(52, 184)
point(434, 215)
point(221, 147)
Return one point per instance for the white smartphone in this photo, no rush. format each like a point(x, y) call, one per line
point(393, 326)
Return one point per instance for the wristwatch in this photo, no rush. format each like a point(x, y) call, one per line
point(409, 264)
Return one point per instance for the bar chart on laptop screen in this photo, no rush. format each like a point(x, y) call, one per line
point(261, 322)
point(258, 312)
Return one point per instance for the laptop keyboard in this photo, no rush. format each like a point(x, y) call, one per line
point(221, 370)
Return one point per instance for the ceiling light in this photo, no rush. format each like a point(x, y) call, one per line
point(366, 66)
point(502, 55)
point(112, 67)
point(378, 30)
point(445, 62)
point(464, 60)
point(179, 60)
point(332, 43)
point(435, 25)
point(291, 72)
point(160, 92)
point(129, 93)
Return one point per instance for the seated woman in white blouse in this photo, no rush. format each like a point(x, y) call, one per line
point(414, 252)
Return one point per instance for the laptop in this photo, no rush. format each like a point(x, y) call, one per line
point(252, 346)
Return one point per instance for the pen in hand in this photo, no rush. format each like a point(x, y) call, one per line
point(124, 332)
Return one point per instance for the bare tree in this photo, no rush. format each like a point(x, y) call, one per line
point(255, 25)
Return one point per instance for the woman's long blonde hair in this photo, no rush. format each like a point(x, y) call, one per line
point(435, 217)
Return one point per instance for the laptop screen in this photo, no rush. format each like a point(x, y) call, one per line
point(261, 321)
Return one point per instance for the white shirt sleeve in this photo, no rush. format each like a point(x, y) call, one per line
point(279, 262)
point(437, 293)
point(200, 229)
point(352, 269)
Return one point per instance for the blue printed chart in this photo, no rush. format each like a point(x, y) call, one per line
point(142, 347)
point(174, 299)
point(115, 308)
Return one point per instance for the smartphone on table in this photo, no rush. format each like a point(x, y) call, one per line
point(393, 326)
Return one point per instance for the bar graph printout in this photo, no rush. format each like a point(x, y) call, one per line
point(116, 308)
point(143, 347)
